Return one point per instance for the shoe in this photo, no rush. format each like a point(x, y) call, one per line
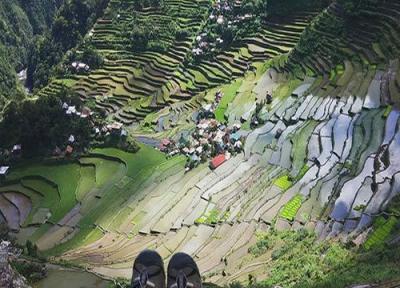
point(148, 271)
point(183, 272)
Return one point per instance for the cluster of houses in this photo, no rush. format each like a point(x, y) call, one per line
point(222, 14)
point(71, 110)
point(99, 130)
point(209, 140)
point(114, 128)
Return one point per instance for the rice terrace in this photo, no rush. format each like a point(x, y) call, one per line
point(260, 137)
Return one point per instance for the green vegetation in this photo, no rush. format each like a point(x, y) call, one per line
point(41, 125)
point(229, 94)
point(341, 34)
point(289, 211)
point(50, 175)
point(265, 241)
point(308, 43)
point(20, 20)
point(283, 182)
point(135, 163)
point(388, 109)
point(144, 35)
point(302, 172)
point(71, 23)
point(285, 7)
point(145, 63)
point(139, 168)
point(285, 89)
point(382, 229)
point(30, 270)
point(103, 169)
point(299, 261)
point(212, 217)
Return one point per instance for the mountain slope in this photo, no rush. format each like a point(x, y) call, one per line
point(366, 32)
point(20, 21)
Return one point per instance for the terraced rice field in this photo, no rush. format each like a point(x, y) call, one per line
point(332, 168)
point(325, 157)
point(317, 173)
point(131, 86)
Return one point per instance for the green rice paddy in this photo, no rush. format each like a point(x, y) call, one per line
point(283, 182)
point(229, 92)
point(289, 211)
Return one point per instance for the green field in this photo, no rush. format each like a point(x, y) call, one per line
point(64, 177)
point(111, 175)
point(283, 182)
point(382, 230)
point(289, 211)
point(110, 210)
point(229, 94)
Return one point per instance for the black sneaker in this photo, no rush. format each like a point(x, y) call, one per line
point(183, 272)
point(148, 271)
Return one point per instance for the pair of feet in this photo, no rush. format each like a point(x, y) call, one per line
point(148, 271)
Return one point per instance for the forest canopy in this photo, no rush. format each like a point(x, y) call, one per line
point(41, 125)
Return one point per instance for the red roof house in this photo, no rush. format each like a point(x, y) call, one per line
point(164, 144)
point(217, 161)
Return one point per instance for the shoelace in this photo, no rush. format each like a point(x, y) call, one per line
point(142, 281)
point(182, 281)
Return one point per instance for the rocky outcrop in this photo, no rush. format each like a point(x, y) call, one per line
point(9, 278)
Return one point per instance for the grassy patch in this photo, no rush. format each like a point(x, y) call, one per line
point(105, 169)
point(50, 193)
point(65, 176)
point(302, 172)
point(140, 167)
point(382, 230)
point(289, 211)
point(284, 90)
point(300, 143)
point(283, 182)
point(212, 217)
point(86, 182)
point(229, 94)
point(146, 157)
point(264, 242)
point(388, 109)
point(298, 261)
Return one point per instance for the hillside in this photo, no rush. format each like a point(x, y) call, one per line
point(261, 137)
point(20, 21)
point(362, 32)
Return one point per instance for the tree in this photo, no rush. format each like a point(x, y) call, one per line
point(32, 249)
point(70, 25)
point(91, 57)
point(41, 125)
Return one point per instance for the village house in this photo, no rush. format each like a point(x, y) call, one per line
point(71, 139)
point(4, 170)
point(16, 151)
point(86, 112)
point(80, 67)
point(217, 161)
point(70, 110)
point(16, 148)
point(116, 126)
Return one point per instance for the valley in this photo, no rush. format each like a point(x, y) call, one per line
point(310, 193)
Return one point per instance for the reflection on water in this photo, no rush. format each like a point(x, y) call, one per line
point(71, 279)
